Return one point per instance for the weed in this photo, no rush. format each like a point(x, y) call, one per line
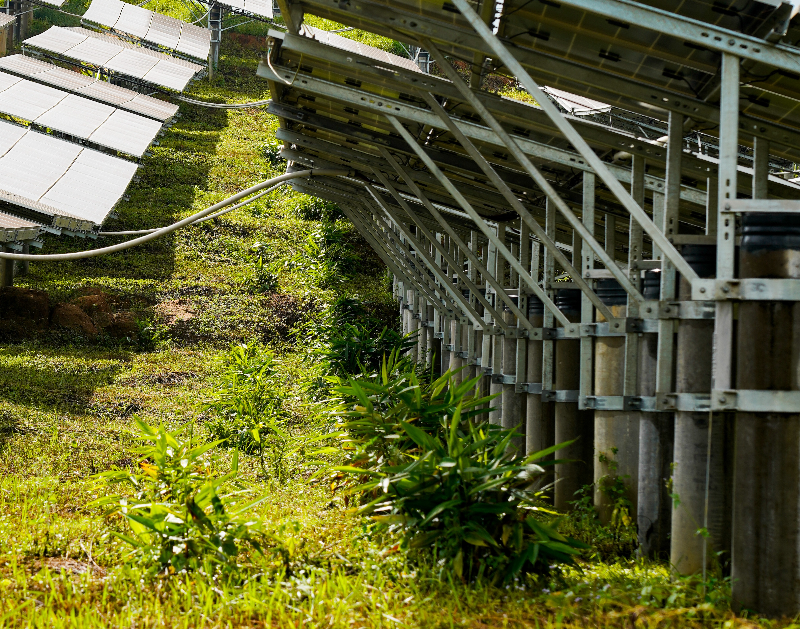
point(181, 516)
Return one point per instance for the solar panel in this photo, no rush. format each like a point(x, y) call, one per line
point(151, 27)
point(116, 55)
point(77, 116)
point(257, 8)
point(13, 228)
point(52, 3)
point(57, 178)
point(5, 20)
point(337, 41)
point(87, 86)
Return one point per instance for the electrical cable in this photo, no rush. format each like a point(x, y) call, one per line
point(258, 103)
point(163, 231)
point(199, 220)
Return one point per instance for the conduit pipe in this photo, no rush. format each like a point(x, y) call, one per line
point(79, 255)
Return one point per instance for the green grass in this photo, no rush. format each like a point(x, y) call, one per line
point(67, 403)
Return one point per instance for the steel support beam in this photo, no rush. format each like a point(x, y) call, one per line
point(534, 172)
point(511, 198)
point(578, 142)
point(501, 248)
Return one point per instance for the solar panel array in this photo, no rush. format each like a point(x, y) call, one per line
point(151, 27)
point(257, 8)
point(117, 56)
point(77, 116)
point(88, 86)
point(6, 20)
point(57, 180)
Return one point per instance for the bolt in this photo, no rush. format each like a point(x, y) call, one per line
point(722, 399)
point(649, 310)
point(667, 309)
point(702, 290)
point(726, 289)
point(727, 206)
point(731, 42)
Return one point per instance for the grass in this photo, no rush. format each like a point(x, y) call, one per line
point(67, 403)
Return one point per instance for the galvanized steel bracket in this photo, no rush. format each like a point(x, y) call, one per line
point(563, 395)
point(749, 289)
point(500, 378)
point(617, 403)
point(528, 387)
point(755, 401)
point(616, 327)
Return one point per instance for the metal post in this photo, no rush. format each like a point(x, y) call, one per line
point(215, 15)
point(6, 270)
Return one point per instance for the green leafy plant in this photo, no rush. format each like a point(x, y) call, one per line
point(613, 487)
point(469, 499)
point(354, 349)
point(247, 403)
point(181, 515)
point(376, 405)
point(265, 277)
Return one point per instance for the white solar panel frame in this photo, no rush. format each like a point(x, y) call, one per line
point(60, 179)
point(75, 115)
point(151, 27)
point(88, 86)
point(117, 55)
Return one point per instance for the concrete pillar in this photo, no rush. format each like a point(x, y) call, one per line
point(692, 467)
point(616, 433)
point(766, 515)
point(513, 407)
point(455, 360)
point(656, 440)
point(570, 423)
point(496, 388)
point(6, 270)
point(429, 340)
point(539, 416)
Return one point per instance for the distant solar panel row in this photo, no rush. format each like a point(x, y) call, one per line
point(117, 56)
point(83, 118)
point(260, 8)
point(151, 27)
point(88, 86)
point(55, 178)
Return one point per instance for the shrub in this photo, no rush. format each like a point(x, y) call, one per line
point(181, 517)
point(375, 406)
point(431, 470)
point(247, 403)
point(467, 497)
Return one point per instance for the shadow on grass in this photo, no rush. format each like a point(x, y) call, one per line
point(62, 380)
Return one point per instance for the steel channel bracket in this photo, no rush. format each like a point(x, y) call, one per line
point(462, 354)
point(564, 395)
point(528, 387)
point(754, 401)
point(692, 402)
point(500, 378)
point(616, 327)
point(750, 289)
point(450, 347)
point(617, 403)
point(438, 335)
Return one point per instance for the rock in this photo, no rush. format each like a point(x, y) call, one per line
point(120, 325)
point(23, 307)
point(71, 317)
